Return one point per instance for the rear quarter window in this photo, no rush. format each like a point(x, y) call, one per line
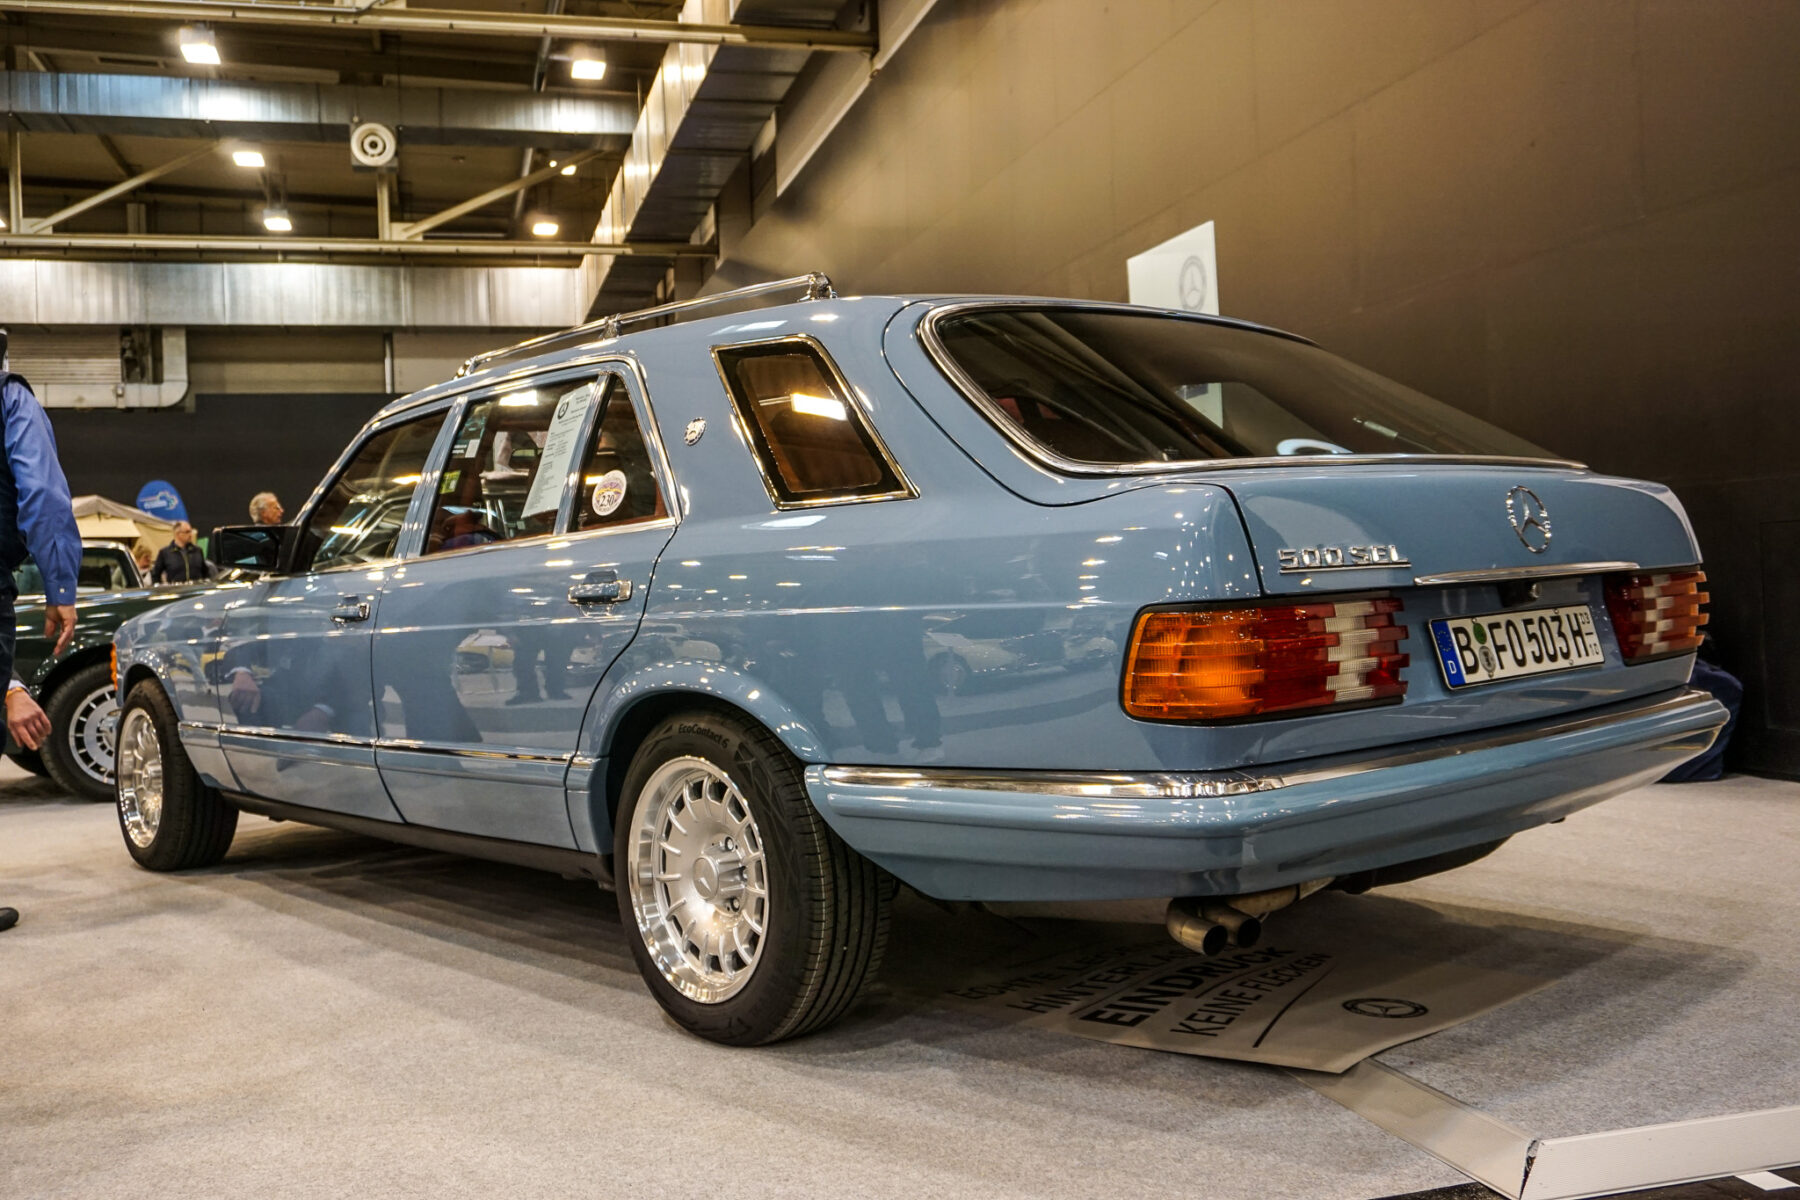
point(812, 442)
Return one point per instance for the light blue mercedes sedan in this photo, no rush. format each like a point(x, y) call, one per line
point(753, 608)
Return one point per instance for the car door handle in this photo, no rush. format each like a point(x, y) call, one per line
point(350, 608)
point(600, 587)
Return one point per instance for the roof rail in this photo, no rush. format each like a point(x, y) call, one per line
point(816, 286)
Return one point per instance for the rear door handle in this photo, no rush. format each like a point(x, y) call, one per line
point(600, 587)
point(350, 608)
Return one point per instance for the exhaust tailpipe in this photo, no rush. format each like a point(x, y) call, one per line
point(1245, 929)
point(1197, 933)
point(1208, 925)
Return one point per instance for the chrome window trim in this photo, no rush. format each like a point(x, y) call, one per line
point(1044, 456)
point(906, 491)
point(1175, 785)
point(628, 371)
point(1504, 574)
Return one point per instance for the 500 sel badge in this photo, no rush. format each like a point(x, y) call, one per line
point(1340, 558)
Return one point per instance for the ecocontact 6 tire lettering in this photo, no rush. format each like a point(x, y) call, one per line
point(749, 919)
point(171, 820)
point(84, 717)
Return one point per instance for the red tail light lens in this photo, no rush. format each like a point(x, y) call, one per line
point(1656, 615)
point(1246, 662)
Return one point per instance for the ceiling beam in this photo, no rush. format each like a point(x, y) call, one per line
point(152, 46)
point(470, 22)
point(46, 224)
point(128, 247)
point(157, 106)
point(413, 230)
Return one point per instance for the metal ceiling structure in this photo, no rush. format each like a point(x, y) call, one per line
point(120, 148)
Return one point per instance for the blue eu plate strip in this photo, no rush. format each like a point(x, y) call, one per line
point(1446, 648)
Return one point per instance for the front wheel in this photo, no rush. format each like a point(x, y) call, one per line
point(171, 820)
point(84, 720)
point(754, 922)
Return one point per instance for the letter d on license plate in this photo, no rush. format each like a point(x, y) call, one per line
point(1511, 645)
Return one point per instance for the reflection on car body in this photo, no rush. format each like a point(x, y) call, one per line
point(986, 596)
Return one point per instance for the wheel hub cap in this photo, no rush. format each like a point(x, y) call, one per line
point(140, 770)
point(93, 733)
point(698, 879)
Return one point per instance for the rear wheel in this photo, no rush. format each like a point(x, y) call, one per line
point(84, 720)
point(753, 922)
point(170, 819)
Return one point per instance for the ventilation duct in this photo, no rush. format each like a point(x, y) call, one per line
point(702, 115)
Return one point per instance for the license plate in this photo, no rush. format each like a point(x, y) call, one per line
point(1512, 645)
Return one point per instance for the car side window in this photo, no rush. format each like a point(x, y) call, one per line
point(618, 486)
point(507, 467)
point(809, 436)
point(359, 519)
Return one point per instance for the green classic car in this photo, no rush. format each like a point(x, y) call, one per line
point(76, 688)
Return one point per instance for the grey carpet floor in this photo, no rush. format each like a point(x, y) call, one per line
point(324, 1014)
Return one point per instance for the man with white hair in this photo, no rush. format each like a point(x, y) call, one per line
point(265, 509)
point(35, 517)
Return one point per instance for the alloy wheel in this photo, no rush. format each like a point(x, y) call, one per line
point(698, 879)
point(140, 767)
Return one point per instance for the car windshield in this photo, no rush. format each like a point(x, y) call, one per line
point(103, 569)
point(1118, 388)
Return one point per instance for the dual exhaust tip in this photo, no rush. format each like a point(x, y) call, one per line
point(1209, 927)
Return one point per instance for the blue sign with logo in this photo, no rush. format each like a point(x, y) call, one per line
point(160, 499)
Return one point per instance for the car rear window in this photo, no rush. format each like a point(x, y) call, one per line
point(1121, 388)
point(809, 436)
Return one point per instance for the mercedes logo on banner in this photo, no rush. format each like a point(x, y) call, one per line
point(1377, 1006)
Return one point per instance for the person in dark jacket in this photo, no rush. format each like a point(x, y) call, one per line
point(180, 561)
point(37, 518)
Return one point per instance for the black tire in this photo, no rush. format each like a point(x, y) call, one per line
point(78, 753)
point(825, 907)
point(31, 760)
point(193, 825)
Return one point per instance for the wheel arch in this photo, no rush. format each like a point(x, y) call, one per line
point(630, 713)
point(80, 660)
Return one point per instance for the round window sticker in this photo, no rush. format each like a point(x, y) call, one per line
point(609, 493)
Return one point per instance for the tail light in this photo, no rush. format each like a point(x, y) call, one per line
point(1656, 615)
point(1220, 664)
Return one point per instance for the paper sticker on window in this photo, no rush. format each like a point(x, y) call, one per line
point(609, 493)
point(559, 448)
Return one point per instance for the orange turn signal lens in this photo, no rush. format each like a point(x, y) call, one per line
point(1221, 664)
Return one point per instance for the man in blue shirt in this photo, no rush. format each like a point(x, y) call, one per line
point(35, 516)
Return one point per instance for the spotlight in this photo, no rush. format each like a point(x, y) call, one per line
point(588, 68)
point(198, 47)
point(544, 228)
point(276, 220)
point(568, 170)
point(248, 158)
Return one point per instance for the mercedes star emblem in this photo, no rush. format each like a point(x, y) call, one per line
point(1530, 519)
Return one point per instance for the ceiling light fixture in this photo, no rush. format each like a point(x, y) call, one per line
point(588, 68)
point(545, 228)
point(198, 47)
point(248, 158)
point(568, 170)
point(276, 220)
